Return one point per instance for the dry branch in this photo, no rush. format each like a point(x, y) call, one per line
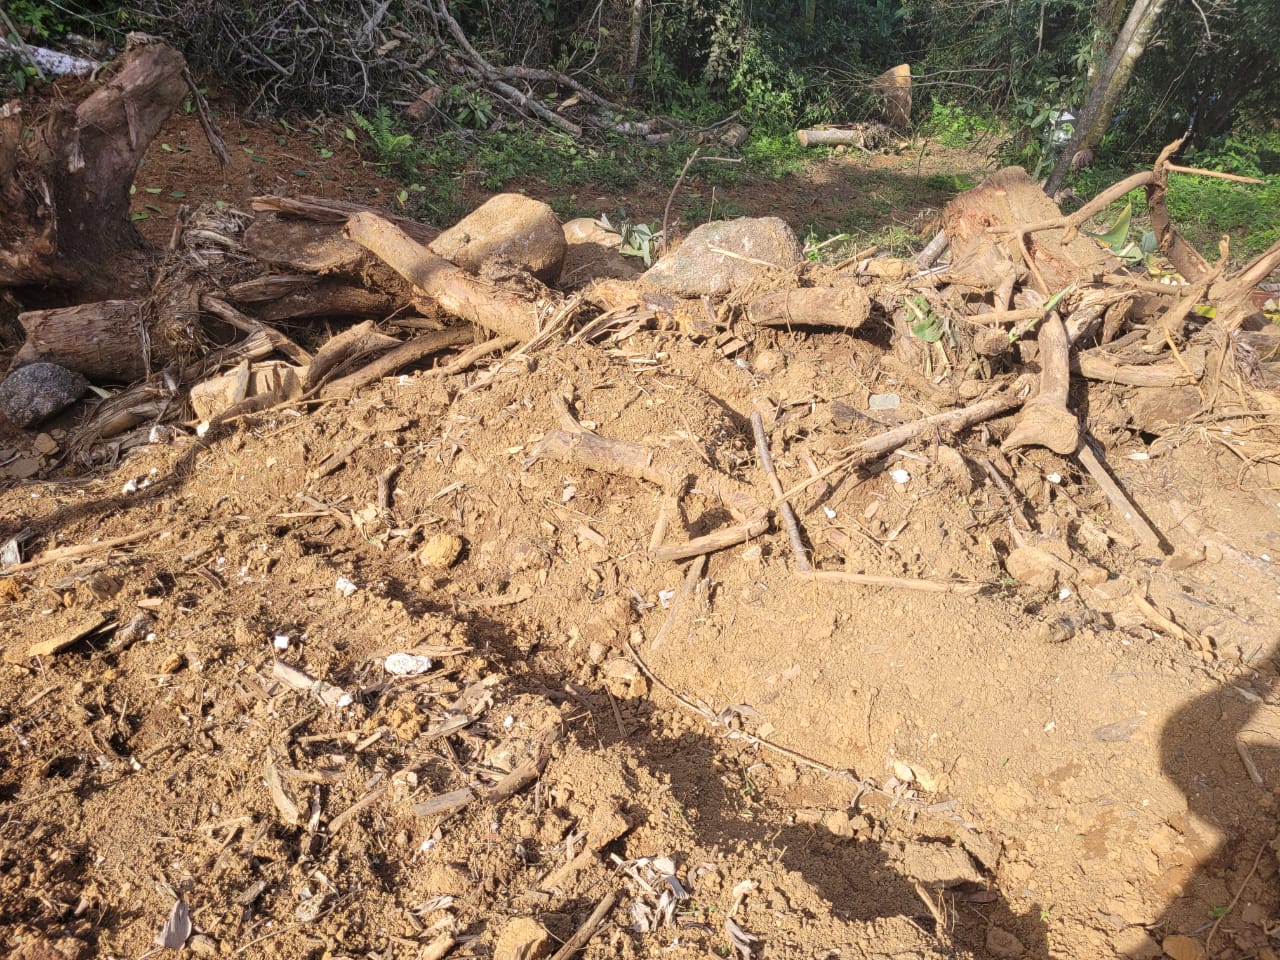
point(843, 308)
point(485, 305)
point(403, 355)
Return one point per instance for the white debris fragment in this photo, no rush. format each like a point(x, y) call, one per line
point(281, 642)
point(406, 664)
point(345, 587)
point(899, 475)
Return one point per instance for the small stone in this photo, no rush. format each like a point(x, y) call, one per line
point(522, 939)
point(172, 664)
point(1184, 557)
point(38, 391)
point(203, 946)
point(1180, 947)
point(441, 551)
point(1135, 944)
point(768, 361)
point(1032, 568)
point(838, 823)
point(1002, 943)
point(46, 444)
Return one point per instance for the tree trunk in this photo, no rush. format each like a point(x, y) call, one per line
point(65, 191)
point(1108, 86)
point(633, 53)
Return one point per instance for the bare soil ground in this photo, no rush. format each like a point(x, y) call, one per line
point(842, 771)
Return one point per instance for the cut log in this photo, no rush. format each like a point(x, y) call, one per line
point(326, 298)
point(469, 298)
point(894, 89)
point(317, 245)
point(867, 136)
point(101, 340)
point(65, 192)
point(843, 308)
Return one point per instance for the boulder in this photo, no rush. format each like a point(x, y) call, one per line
point(511, 227)
point(719, 257)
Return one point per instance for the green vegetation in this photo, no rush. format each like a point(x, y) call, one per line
point(1204, 209)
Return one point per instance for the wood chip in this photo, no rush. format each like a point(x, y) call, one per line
point(444, 803)
point(58, 643)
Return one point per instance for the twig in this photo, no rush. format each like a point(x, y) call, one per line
point(788, 515)
point(719, 540)
point(691, 578)
point(666, 211)
point(902, 583)
point(1119, 499)
point(341, 820)
point(890, 440)
point(1216, 174)
point(81, 550)
point(1208, 941)
point(588, 929)
point(1250, 767)
point(21, 44)
point(403, 355)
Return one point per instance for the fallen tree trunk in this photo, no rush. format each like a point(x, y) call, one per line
point(66, 191)
point(103, 340)
point(484, 304)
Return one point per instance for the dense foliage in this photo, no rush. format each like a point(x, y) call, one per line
point(1214, 65)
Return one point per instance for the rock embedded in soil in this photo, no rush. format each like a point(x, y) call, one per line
point(1001, 943)
point(441, 551)
point(38, 391)
point(522, 939)
point(1183, 948)
point(592, 253)
point(1136, 944)
point(719, 257)
point(511, 227)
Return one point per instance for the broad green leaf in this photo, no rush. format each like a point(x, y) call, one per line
point(1119, 232)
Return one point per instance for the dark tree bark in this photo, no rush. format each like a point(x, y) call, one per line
point(65, 189)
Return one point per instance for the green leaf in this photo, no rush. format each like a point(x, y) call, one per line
point(152, 189)
point(325, 154)
point(177, 194)
point(349, 134)
point(927, 330)
point(299, 172)
point(166, 148)
point(152, 207)
point(140, 215)
point(1116, 236)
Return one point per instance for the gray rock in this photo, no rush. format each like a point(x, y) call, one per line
point(695, 269)
point(37, 391)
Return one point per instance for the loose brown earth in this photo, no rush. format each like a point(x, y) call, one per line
point(1053, 776)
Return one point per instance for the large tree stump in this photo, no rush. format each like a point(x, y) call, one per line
point(65, 187)
point(1010, 197)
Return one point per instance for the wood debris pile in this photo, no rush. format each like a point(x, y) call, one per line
point(1028, 318)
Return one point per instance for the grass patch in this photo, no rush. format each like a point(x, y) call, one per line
point(1203, 210)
